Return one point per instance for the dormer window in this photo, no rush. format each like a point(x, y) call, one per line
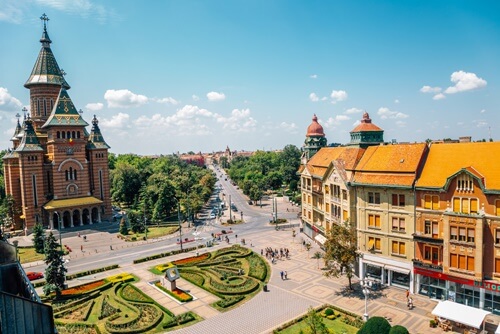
point(465, 183)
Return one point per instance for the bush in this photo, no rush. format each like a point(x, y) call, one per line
point(328, 312)
point(398, 329)
point(377, 325)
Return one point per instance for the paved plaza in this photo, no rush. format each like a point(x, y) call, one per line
point(285, 300)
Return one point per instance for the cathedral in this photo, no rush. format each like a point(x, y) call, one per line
point(56, 171)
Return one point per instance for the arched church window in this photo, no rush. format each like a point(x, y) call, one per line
point(58, 135)
point(73, 134)
point(78, 134)
point(74, 173)
point(68, 134)
point(63, 134)
point(66, 172)
point(71, 173)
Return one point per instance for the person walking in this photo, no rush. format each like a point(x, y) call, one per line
point(286, 275)
point(282, 274)
point(407, 294)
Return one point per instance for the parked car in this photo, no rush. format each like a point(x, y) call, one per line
point(33, 275)
point(212, 215)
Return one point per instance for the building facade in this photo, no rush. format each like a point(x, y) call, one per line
point(384, 182)
point(56, 171)
point(457, 234)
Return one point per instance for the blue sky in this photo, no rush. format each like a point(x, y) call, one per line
point(169, 76)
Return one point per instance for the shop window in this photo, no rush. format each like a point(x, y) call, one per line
point(398, 200)
point(373, 198)
point(374, 221)
point(398, 248)
point(497, 265)
point(398, 224)
point(453, 233)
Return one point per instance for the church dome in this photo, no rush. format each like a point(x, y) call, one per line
point(315, 129)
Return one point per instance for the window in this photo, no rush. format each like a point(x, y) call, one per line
point(470, 235)
point(431, 202)
point(398, 200)
point(374, 244)
point(465, 183)
point(345, 216)
point(374, 221)
point(427, 227)
point(497, 208)
point(427, 253)
point(327, 189)
point(398, 224)
point(344, 195)
point(461, 234)
point(497, 265)
point(58, 135)
point(453, 233)
point(497, 236)
point(398, 248)
point(373, 198)
point(435, 230)
point(454, 260)
point(465, 205)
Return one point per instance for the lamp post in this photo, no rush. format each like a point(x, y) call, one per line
point(366, 286)
point(145, 226)
point(59, 228)
point(179, 219)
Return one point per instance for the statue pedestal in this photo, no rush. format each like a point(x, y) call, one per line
point(173, 285)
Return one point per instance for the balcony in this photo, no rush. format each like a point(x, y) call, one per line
point(426, 265)
point(427, 238)
point(317, 189)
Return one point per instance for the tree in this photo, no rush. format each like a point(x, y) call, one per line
point(315, 322)
point(398, 329)
point(135, 221)
point(341, 251)
point(376, 325)
point(317, 256)
point(56, 272)
point(123, 226)
point(38, 238)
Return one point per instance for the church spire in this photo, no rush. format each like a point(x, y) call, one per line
point(29, 140)
point(46, 69)
point(96, 140)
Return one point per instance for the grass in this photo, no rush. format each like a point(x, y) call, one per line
point(28, 254)
point(334, 326)
point(155, 232)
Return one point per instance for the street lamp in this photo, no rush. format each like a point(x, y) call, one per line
point(179, 219)
point(59, 228)
point(366, 286)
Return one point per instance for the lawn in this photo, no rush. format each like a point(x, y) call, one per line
point(334, 326)
point(28, 254)
point(153, 232)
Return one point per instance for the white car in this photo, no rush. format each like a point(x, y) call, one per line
point(212, 215)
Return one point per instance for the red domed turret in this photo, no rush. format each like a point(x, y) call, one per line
point(315, 129)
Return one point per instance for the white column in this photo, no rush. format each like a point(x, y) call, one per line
point(71, 219)
point(98, 216)
point(482, 293)
point(51, 221)
point(81, 217)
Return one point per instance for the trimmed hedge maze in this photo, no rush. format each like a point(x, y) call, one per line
point(234, 274)
point(113, 306)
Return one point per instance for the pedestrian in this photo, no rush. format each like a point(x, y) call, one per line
point(78, 234)
point(81, 248)
point(282, 274)
point(286, 275)
point(236, 236)
point(407, 294)
point(261, 252)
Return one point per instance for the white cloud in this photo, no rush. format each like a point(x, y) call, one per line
point(123, 98)
point(464, 81)
point(119, 121)
point(353, 111)
point(480, 123)
point(313, 97)
point(84, 8)
point(335, 121)
point(214, 96)
point(313, 76)
point(289, 127)
point(11, 11)
point(483, 111)
point(240, 120)
point(324, 98)
point(401, 124)
point(429, 89)
point(396, 101)
point(338, 95)
point(94, 106)
point(167, 100)
point(8, 102)
point(385, 113)
point(195, 97)
point(439, 96)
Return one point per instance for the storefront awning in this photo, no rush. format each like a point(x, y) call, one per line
point(463, 314)
point(320, 238)
point(71, 202)
point(398, 269)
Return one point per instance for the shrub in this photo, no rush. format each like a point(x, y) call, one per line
point(398, 329)
point(328, 312)
point(377, 325)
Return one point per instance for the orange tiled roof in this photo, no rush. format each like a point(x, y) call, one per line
point(319, 163)
point(399, 158)
point(444, 160)
point(385, 179)
point(366, 127)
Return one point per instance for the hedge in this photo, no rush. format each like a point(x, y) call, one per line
point(158, 256)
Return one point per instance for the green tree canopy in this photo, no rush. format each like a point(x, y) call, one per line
point(375, 325)
point(55, 272)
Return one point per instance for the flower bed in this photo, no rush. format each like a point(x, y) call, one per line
point(131, 293)
point(191, 260)
point(84, 288)
point(123, 277)
point(178, 294)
